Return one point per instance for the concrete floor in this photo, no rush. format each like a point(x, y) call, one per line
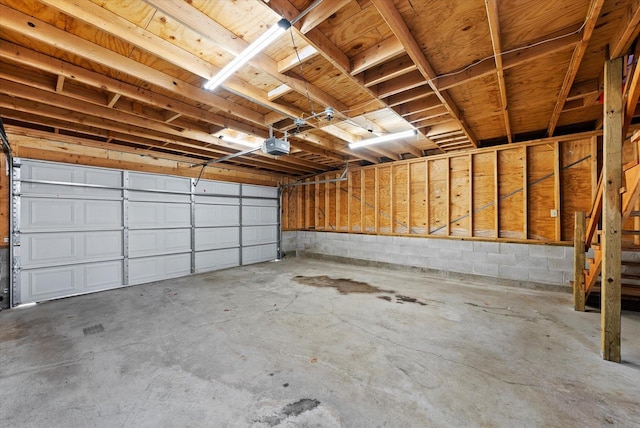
point(254, 347)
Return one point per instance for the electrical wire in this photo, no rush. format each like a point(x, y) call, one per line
point(470, 66)
point(306, 88)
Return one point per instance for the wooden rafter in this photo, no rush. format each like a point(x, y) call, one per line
point(578, 53)
point(494, 28)
point(395, 21)
point(627, 31)
point(320, 13)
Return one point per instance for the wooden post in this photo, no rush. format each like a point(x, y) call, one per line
point(611, 212)
point(578, 261)
point(557, 159)
point(525, 194)
point(427, 220)
point(376, 202)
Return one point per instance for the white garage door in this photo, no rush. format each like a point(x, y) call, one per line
point(82, 229)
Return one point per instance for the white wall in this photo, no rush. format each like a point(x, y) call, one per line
point(523, 263)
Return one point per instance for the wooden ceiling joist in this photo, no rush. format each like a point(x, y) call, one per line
point(627, 32)
point(589, 24)
point(395, 21)
point(494, 27)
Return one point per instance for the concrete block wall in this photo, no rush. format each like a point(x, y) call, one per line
point(522, 263)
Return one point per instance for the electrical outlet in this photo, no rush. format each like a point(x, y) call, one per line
point(554, 213)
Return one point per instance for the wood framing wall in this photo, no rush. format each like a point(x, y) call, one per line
point(506, 193)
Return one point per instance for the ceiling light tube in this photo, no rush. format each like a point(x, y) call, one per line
point(382, 139)
point(252, 50)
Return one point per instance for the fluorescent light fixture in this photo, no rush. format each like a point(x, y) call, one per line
point(234, 140)
point(252, 50)
point(383, 138)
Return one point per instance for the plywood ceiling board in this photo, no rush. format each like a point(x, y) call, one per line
point(524, 21)
point(452, 34)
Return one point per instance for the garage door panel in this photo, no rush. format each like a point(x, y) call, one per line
point(69, 247)
point(259, 235)
point(217, 188)
point(217, 259)
point(216, 200)
point(216, 215)
point(153, 241)
point(159, 267)
point(260, 202)
point(254, 216)
point(144, 181)
point(45, 213)
point(135, 195)
point(249, 190)
point(217, 237)
point(156, 214)
point(70, 174)
point(47, 283)
point(74, 222)
point(259, 253)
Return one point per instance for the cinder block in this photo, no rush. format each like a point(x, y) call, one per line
point(461, 266)
point(546, 251)
point(450, 254)
point(501, 259)
point(531, 262)
point(355, 237)
point(368, 238)
point(399, 240)
point(568, 253)
point(486, 247)
point(437, 263)
point(508, 248)
point(513, 272)
point(545, 276)
point(474, 256)
point(568, 277)
point(383, 239)
point(560, 265)
point(485, 269)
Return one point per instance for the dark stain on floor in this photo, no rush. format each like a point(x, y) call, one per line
point(401, 299)
point(292, 409)
point(343, 285)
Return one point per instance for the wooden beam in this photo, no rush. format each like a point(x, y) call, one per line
point(51, 35)
point(611, 213)
point(400, 84)
point(579, 261)
point(320, 13)
point(633, 94)
point(295, 59)
point(395, 21)
point(627, 30)
point(278, 92)
point(376, 54)
point(418, 106)
point(584, 89)
point(388, 71)
point(494, 28)
point(576, 59)
point(59, 83)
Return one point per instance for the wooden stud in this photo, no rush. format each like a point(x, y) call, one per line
point(362, 205)
point(391, 200)
point(556, 190)
point(611, 213)
point(448, 199)
point(470, 194)
point(59, 83)
point(350, 201)
point(427, 225)
point(376, 218)
point(578, 261)
point(409, 199)
point(316, 219)
point(525, 194)
point(338, 205)
point(327, 220)
point(307, 210)
point(496, 197)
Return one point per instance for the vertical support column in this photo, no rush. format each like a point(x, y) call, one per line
point(391, 200)
point(376, 202)
point(496, 195)
point(448, 199)
point(362, 205)
point(125, 227)
point(578, 261)
point(557, 159)
point(409, 199)
point(14, 298)
point(611, 212)
point(338, 203)
point(349, 202)
point(193, 225)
